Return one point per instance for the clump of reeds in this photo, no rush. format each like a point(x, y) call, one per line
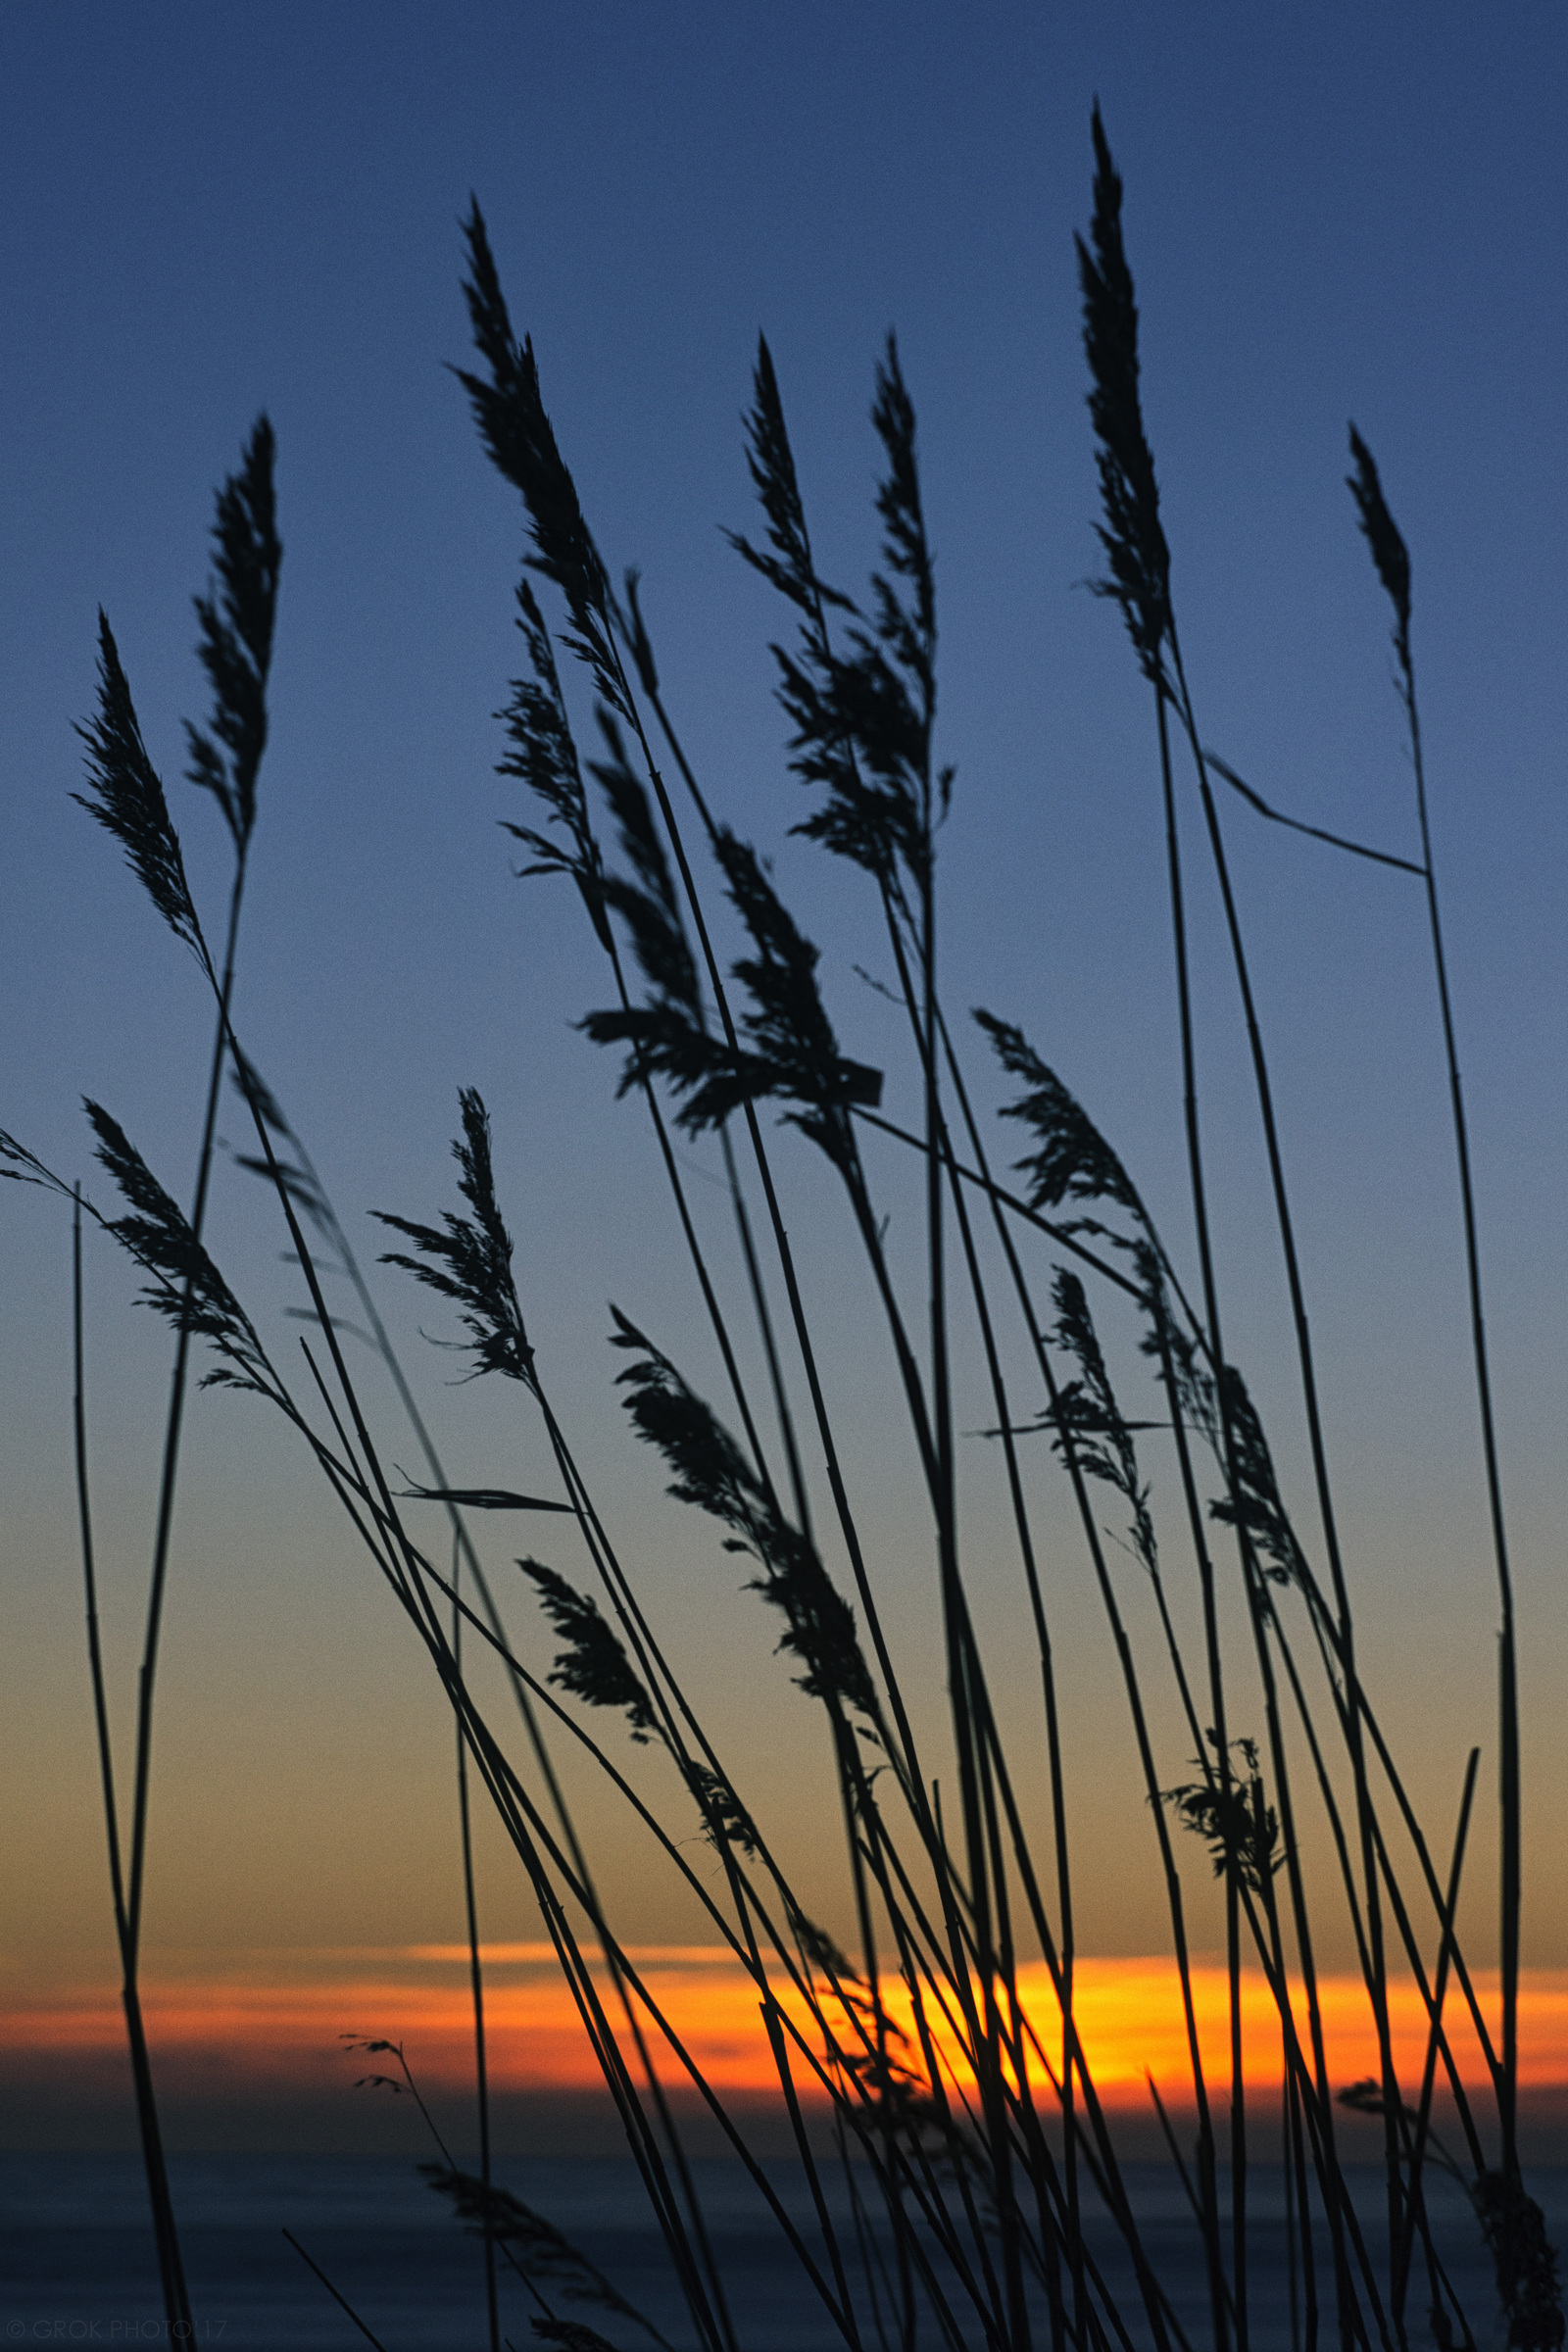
point(972, 2134)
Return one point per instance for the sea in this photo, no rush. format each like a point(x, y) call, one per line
point(78, 2265)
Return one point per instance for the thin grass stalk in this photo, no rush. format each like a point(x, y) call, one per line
point(95, 1659)
point(1317, 2106)
point(175, 2296)
point(667, 2123)
point(1109, 2184)
point(938, 1462)
point(1233, 1953)
point(1173, 2150)
point(671, 1850)
point(659, 1679)
point(1435, 2035)
point(171, 1458)
point(1300, 2209)
point(383, 1503)
point(1041, 2173)
point(1331, 2180)
point(311, 2264)
point(481, 2075)
point(1330, 1805)
point(1292, 2099)
point(919, 2180)
point(166, 2235)
point(587, 870)
point(1216, 1685)
point(1159, 1320)
point(1007, 1972)
point(798, 1490)
point(1392, 560)
point(1507, 1661)
point(695, 2219)
point(128, 800)
point(1000, 1197)
point(630, 1612)
point(649, 1656)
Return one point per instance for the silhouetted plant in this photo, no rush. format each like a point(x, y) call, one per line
point(1239, 1829)
point(712, 1473)
point(593, 1665)
point(471, 1260)
point(946, 2114)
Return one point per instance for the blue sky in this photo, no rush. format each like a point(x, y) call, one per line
point(1332, 210)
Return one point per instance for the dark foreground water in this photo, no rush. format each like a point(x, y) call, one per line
point(76, 2264)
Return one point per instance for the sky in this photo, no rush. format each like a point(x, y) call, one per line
point(1331, 213)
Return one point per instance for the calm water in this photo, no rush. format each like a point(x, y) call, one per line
point(76, 2261)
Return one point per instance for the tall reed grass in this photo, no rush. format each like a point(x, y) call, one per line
point(975, 2133)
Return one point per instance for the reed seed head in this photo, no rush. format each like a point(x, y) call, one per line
point(1131, 533)
point(237, 616)
point(127, 798)
point(1389, 553)
point(470, 1262)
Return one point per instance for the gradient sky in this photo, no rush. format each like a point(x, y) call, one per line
point(1331, 212)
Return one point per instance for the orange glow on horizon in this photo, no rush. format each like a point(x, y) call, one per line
point(275, 2023)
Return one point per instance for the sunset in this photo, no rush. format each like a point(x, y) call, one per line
point(273, 2028)
point(782, 1140)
